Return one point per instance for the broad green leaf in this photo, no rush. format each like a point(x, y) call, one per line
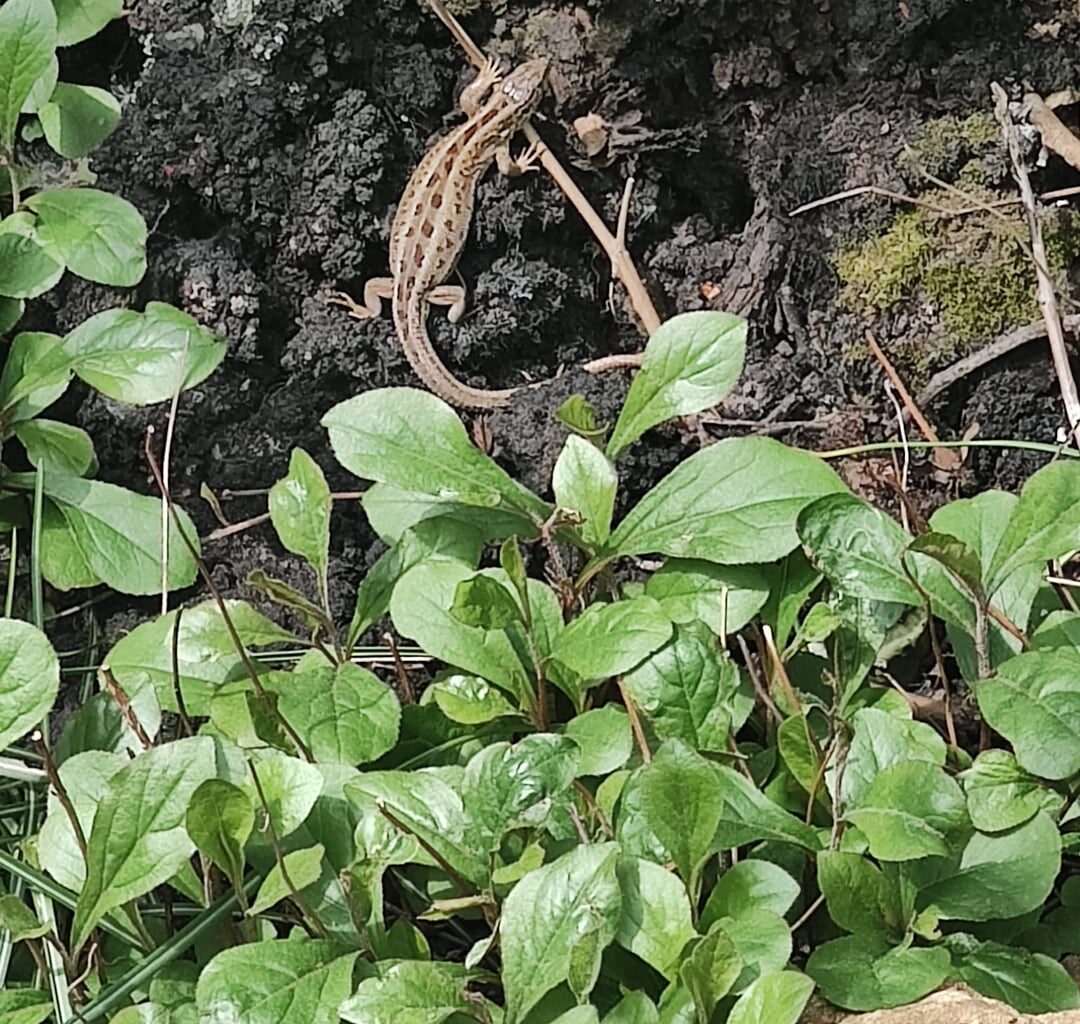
point(415, 441)
point(1060, 628)
point(763, 941)
point(28, 265)
point(999, 876)
point(682, 804)
point(635, 1007)
point(85, 776)
point(777, 998)
point(746, 886)
point(206, 657)
point(57, 446)
point(27, 44)
point(607, 639)
point(117, 534)
point(138, 840)
point(42, 89)
point(289, 787)
point(1034, 702)
point(299, 506)
point(1001, 795)
point(799, 755)
point(421, 804)
point(604, 739)
point(29, 678)
point(410, 992)
point(689, 690)
point(99, 236)
point(655, 922)
point(302, 867)
point(78, 118)
point(25, 1006)
point(467, 700)
point(854, 891)
point(724, 597)
point(710, 971)
point(484, 602)
point(36, 367)
point(510, 786)
point(954, 555)
point(143, 358)
point(280, 981)
point(748, 816)
point(19, 920)
point(909, 811)
point(735, 502)
point(858, 547)
point(1030, 982)
point(1044, 524)
point(219, 820)
point(881, 741)
point(547, 914)
point(691, 363)
point(344, 714)
point(859, 972)
point(11, 311)
point(584, 481)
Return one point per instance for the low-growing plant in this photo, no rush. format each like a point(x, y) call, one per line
point(595, 810)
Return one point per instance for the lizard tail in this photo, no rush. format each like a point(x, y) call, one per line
point(412, 333)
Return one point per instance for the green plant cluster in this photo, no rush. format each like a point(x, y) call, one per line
point(593, 812)
point(91, 532)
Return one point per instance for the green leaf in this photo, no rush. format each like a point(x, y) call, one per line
point(206, 657)
point(1030, 982)
point(585, 482)
point(78, 118)
point(467, 700)
point(763, 941)
point(1034, 702)
point(299, 506)
point(1044, 524)
point(36, 368)
point(858, 972)
point(143, 358)
point(710, 971)
point(655, 922)
point(909, 811)
point(482, 602)
point(689, 690)
point(219, 820)
point(11, 311)
point(20, 921)
point(27, 44)
point(607, 639)
point(80, 19)
point(603, 736)
point(798, 753)
point(29, 678)
point(281, 981)
point(303, 868)
point(28, 267)
point(344, 713)
point(578, 415)
point(98, 235)
point(510, 786)
point(117, 534)
point(858, 547)
point(138, 840)
point(635, 1007)
point(998, 876)
point(410, 992)
point(1001, 795)
point(854, 889)
point(746, 886)
point(748, 816)
point(25, 1006)
point(954, 555)
point(290, 788)
point(724, 597)
point(691, 362)
point(414, 441)
point(547, 913)
point(41, 90)
point(57, 446)
point(735, 502)
point(777, 998)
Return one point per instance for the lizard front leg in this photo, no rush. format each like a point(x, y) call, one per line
point(514, 166)
point(473, 95)
point(375, 291)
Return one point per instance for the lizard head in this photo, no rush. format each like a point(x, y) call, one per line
point(524, 84)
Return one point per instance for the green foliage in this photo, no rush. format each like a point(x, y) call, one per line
point(597, 810)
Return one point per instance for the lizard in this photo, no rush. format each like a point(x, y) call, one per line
point(432, 222)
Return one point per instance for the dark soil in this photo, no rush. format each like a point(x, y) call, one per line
point(268, 153)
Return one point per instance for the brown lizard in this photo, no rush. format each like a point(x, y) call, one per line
point(432, 222)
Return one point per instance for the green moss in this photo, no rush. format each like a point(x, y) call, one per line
point(949, 144)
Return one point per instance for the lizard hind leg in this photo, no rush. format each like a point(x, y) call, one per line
point(375, 291)
point(452, 295)
point(477, 91)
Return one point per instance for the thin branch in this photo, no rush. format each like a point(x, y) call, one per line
point(635, 723)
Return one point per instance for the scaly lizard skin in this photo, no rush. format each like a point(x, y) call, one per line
point(433, 217)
